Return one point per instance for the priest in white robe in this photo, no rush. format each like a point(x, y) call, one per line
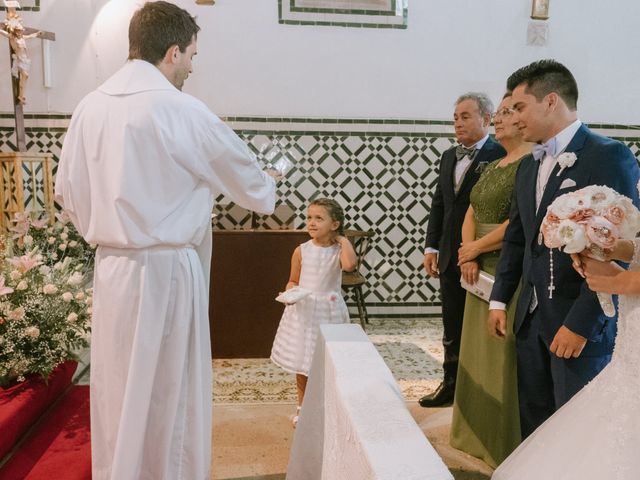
point(140, 167)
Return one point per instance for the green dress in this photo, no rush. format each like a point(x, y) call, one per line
point(486, 422)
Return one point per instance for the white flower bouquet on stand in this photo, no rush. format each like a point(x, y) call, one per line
point(45, 299)
point(591, 218)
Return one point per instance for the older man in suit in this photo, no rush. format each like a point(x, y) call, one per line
point(563, 339)
point(460, 168)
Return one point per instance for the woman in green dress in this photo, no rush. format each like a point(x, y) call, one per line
point(486, 421)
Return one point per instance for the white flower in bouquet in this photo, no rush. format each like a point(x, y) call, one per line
point(72, 317)
point(51, 240)
point(89, 301)
point(23, 285)
point(44, 270)
point(28, 240)
point(601, 196)
point(62, 247)
point(67, 296)
point(64, 235)
point(571, 235)
point(565, 205)
point(75, 279)
point(16, 314)
point(33, 332)
point(58, 266)
point(73, 244)
point(15, 275)
point(49, 289)
point(80, 296)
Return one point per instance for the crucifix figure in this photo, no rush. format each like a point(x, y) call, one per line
point(17, 34)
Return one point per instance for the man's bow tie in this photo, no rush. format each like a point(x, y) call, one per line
point(540, 150)
point(462, 151)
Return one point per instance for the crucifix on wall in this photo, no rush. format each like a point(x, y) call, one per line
point(17, 34)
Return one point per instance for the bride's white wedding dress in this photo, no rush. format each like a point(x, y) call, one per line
point(596, 435)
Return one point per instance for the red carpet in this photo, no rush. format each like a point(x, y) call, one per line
point(24, 403)
point(60, 447)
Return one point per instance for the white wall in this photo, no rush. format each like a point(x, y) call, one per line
point(248, 64)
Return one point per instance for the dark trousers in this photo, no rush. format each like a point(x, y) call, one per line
point(453, 297)
point(546, 382)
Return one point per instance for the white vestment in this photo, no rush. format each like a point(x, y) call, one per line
point(140, 167)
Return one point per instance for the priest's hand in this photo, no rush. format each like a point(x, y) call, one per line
point(567, 344)
point(497, 323)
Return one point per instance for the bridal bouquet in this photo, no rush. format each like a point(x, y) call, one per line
point(591, 218)
point(45, 299)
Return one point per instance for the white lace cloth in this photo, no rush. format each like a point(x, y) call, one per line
point(354, 423)
point(596, 435)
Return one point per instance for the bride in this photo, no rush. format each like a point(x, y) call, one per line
point(596, 435)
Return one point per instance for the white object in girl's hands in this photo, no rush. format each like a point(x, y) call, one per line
point(293, 295)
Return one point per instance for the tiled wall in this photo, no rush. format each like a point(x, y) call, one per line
point(382, 171)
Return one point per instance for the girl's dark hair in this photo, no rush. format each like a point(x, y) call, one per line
point(335, 211)
point(156, 27)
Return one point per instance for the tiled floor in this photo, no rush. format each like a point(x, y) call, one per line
point(253, 442)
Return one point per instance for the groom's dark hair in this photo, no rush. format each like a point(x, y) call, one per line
point(546, 76)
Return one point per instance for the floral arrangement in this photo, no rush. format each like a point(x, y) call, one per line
point(591, 218)
point(45, 299)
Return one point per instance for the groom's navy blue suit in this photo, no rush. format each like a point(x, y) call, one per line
point(546, 382)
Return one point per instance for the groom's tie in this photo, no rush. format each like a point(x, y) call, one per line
point(545, 153)
point(541, 150)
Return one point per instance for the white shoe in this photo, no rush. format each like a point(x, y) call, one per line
point(294, 419)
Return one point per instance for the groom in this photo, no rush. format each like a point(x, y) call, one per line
point(563, 339)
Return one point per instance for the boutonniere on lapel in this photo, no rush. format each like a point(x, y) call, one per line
point(566, 160)
point(481, 166)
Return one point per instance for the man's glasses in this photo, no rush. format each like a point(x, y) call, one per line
point(504, 112)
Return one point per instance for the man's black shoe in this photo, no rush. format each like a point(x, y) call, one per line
point(443, 395)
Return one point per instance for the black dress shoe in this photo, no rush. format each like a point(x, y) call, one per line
point(443, 395)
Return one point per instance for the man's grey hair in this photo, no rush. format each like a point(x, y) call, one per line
point(482, 100)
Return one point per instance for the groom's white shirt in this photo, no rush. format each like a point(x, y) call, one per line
point(547, 164)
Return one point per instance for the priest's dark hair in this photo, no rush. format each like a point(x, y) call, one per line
point(334, 210)
point(543, 77)
point(158, 26)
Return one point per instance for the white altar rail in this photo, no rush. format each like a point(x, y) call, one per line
point(354, 423)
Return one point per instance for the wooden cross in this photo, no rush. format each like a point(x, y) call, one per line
point(17, 34)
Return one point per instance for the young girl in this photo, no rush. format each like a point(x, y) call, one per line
point(316, 265)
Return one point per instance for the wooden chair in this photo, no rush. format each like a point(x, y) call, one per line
point(355, 280)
